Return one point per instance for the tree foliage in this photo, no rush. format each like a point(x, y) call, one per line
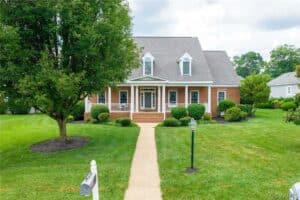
point(249, 63)
point(283, 59)
point(254, 89)
point(57, 52)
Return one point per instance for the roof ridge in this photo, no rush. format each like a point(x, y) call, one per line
point(164, 36)
point(214, 50)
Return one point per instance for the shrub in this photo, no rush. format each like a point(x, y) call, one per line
point(97, 109)
point(171, 121)
point(185, 121)
point(267, 105)
point(288, 106)
point(207, 116)
point(297, 99)
point(18, 106)
point(248, 109)
point(276, 102)
point(243, 115)
point(233, 114)
point(196, 111)
point(125, 122)
point(293, 116)
point(103, 117)
point(225, 104)
point(178, 112)
point(289, 99)
point(70, 118)
point(3, 106)
point(78, 111)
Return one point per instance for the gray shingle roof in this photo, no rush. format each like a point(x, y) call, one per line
point(285, 79)
point(206, 65)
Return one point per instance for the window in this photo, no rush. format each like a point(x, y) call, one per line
point(186, 67)
point(101, 97)
point(148, 60)
point(185, 64)
point(194, 97)
point(172, 98)
point(221, 96)
point(289, 90)
point(123, 97)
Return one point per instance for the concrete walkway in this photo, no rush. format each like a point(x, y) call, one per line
point(144, 180)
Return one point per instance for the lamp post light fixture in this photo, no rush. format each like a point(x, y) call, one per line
point(193, 126)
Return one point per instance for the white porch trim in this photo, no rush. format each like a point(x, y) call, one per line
point(137, 99)
point(131, 100)
point(163, 100)
point(109, 98)
point(186, 96)
point(209, 99)
point(158, 99)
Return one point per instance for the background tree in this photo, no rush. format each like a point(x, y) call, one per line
point(62, 51)
point(249, 63)
point(254, 89)
point(283, 59)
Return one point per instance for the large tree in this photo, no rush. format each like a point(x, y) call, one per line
point(254, 89)
point(248, 63)
point(55, 53)
point(283, 59)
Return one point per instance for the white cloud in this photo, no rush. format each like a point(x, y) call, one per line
point(232, 25)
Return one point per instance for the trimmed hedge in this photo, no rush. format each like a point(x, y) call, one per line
point(103, 117)
point(125, 122)
point(288, 106)
point(196, 111)
point(97, 109)
point(171, 122)
point(224, 105)
point(207, 116)
point(78, 111)
point(233, 114)
point(185, 121)
point(179, 112)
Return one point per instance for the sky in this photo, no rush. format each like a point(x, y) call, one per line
point(237, 26)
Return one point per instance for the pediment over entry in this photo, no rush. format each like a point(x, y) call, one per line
point(148, 78)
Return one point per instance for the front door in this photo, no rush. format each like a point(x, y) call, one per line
point(148, 100)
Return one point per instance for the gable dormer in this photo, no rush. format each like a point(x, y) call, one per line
point(185, 64)
point(148, 63)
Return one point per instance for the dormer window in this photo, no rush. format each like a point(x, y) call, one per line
point(148, 61)
point(186, 64)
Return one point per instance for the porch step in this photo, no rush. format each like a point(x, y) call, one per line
point(148, 117)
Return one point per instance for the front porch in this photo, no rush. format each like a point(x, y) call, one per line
point(149, 103)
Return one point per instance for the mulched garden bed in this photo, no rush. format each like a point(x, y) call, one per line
point(58, 144)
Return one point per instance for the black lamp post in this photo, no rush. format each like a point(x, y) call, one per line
point(193, 125)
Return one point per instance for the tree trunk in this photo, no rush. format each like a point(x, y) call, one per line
point(62, 129)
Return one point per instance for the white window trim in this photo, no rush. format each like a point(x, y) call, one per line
point(104, 97)
point(169, 104)
point(148, 55)
point(287, 90)
point(120, 96)
point(198, 94)
point(185, 57)
point(225, 95)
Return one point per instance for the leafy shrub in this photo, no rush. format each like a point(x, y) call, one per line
point(171, 122)
point(18, 106)
point(276, 102)
point(185, 121)
point(288, 105)
point(267, 105)
point(70, 118)
point(233, 114)
point(207, 116)
point(243, 115)
point(297, 99)
point(3, 106)
point(248, 109)
point(178, 112)
point(97, 109)
point(78, 111)
point(103, 117)
point(225, 104)
point(125, 122)
point(289, 99)
point(196, 111)
point(293, 116)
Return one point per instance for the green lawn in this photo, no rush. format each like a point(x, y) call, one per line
point(26, 175)
point(257, 159)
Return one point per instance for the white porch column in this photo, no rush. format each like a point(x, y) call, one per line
point(158, 99)
point(209, 99)
point(109, 99)
point(186, 97)
point(137, 99)
point(163, 100)
point(87, 105)
point(131, 100)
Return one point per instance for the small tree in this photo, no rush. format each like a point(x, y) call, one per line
point(254, 89)
point(298, 71)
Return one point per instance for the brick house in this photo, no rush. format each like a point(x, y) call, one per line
point(174, 71)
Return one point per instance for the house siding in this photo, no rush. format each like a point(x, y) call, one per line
point(281, 91)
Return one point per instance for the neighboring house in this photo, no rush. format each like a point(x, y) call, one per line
point(175, 71)
point(285, 85)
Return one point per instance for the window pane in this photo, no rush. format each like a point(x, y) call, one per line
point(101, 97)
point(123, 97)
point(173, 97)
point(186, 67)
point(148, 67)
point(221, 96)
point(194, 97)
